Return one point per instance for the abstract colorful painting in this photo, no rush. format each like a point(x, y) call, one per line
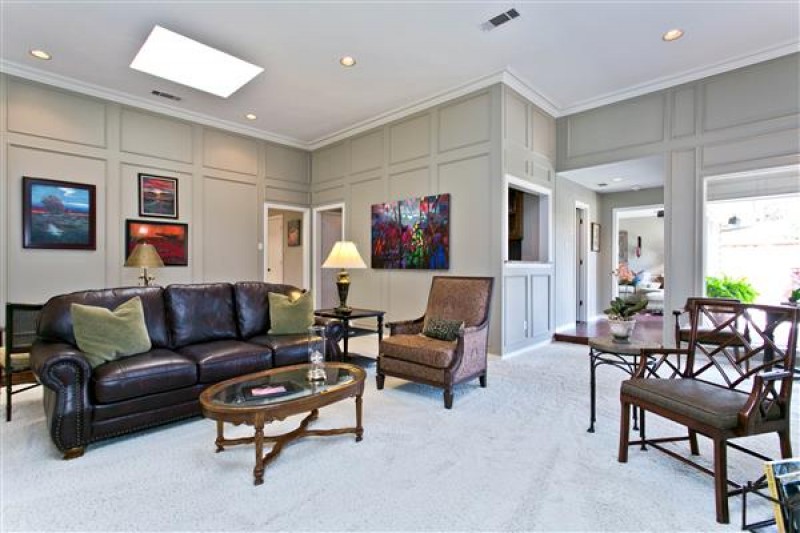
point(158, 197)
point(170, 239)
point(58, 214)
point(412, 233)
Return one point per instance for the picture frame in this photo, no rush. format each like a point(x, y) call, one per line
point(158, 196)
point(595, 237)
point(294, 232)
point(170, 239)
point(58, 215)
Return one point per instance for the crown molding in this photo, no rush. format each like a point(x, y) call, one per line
point(528, 91)
point(71, 84)
point(687, 76)
point(407, 110)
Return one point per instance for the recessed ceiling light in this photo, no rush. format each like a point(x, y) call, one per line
point(636, 188)
point(172, 56)
point(347, 61)
point(40, 54)
point(672, 35)
point(617, 180)
point(250, 116)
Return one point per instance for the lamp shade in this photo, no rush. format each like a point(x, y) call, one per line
point(144, 256)
point(344, 255)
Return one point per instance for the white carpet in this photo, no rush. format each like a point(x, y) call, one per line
point(515, 456)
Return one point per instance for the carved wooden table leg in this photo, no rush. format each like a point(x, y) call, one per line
point(258, 471)
point(220, 437)
point(359, 427)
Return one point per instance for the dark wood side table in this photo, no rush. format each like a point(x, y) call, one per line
point(352, 331)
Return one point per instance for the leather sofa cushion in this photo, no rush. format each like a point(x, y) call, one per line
point(252, 306)
point(200, 313)
point(710, 404)
point(151, 372)
point(286, 349)
point(220, 360)
point(55, 320)
point(419, 349)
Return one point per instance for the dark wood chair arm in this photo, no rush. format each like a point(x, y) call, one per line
point(654, 359)
point(763, 385)
point(406, 327)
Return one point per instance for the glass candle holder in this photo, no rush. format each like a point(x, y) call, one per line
point(316, 353)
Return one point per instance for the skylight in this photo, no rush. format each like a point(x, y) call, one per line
point(172, 56)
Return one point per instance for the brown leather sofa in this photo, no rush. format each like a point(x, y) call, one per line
point(201, 334)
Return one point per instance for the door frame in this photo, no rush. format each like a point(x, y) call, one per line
point(317, 260)
point(582, 276)
point(615, 216)
point(306, 241)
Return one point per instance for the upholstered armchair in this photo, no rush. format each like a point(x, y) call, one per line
point(734, 379)
point(410, 355)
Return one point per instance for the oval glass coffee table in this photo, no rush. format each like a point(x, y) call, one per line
point(260, 398)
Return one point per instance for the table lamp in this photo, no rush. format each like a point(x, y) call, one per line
point(343, 255)
point(145, 256)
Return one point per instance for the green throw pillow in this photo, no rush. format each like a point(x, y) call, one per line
point(442, 329)
point(289, 316)
point(105, 335)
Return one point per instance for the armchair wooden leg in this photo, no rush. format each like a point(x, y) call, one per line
point(786, 444)
point(482, 379)
point(380, 378)
point(624, 428)
point(721, 480)
point(693, 443)
point(448, 398)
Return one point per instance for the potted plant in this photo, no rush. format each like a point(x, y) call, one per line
point(621, 315)
point(795, 296)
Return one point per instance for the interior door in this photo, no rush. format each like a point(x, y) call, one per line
point(275, 249)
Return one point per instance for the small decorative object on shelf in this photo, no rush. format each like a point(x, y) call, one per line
point(621, 315)
point(316, 353)
point(794, 298)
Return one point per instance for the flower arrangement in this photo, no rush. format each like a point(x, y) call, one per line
point(624, 274)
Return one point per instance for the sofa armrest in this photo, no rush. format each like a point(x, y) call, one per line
point(65, 373)
point(406, 327)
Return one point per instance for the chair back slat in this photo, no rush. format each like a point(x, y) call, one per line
point(733, 342)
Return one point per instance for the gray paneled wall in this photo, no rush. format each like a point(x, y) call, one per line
point(223, 179)
point(743, 120)
point(452, 148)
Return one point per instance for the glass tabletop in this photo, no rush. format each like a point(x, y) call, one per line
point(273, 387)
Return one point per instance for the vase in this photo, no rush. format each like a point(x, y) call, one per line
point(621, 329)
point(316, 354)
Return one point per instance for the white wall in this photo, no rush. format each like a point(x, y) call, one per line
point(223, 181)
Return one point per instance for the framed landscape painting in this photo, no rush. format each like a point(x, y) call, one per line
point(170, 239)
point(294, 230)
point(412, 233)
point(58, 215)
point(158, 196)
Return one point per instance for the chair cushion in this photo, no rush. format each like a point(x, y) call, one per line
point(419, 349)
point(151, 372)
point(290, 316)
point(220, 360)
point(200, 313)
point(710, 404)
point(105, 335)
point(287, 349)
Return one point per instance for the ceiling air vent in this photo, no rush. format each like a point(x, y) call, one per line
point(166, 95)
point(499, 20)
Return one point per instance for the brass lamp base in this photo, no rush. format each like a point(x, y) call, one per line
point(343, 286)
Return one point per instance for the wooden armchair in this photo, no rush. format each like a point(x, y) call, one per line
point(409, 355)
point(724, 390)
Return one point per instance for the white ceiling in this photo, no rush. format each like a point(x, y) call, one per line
point(634, 174)
point(570, 55)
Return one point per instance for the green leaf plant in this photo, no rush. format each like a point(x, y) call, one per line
point(625, 309)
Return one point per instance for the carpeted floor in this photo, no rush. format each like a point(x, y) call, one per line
point(515, 456)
